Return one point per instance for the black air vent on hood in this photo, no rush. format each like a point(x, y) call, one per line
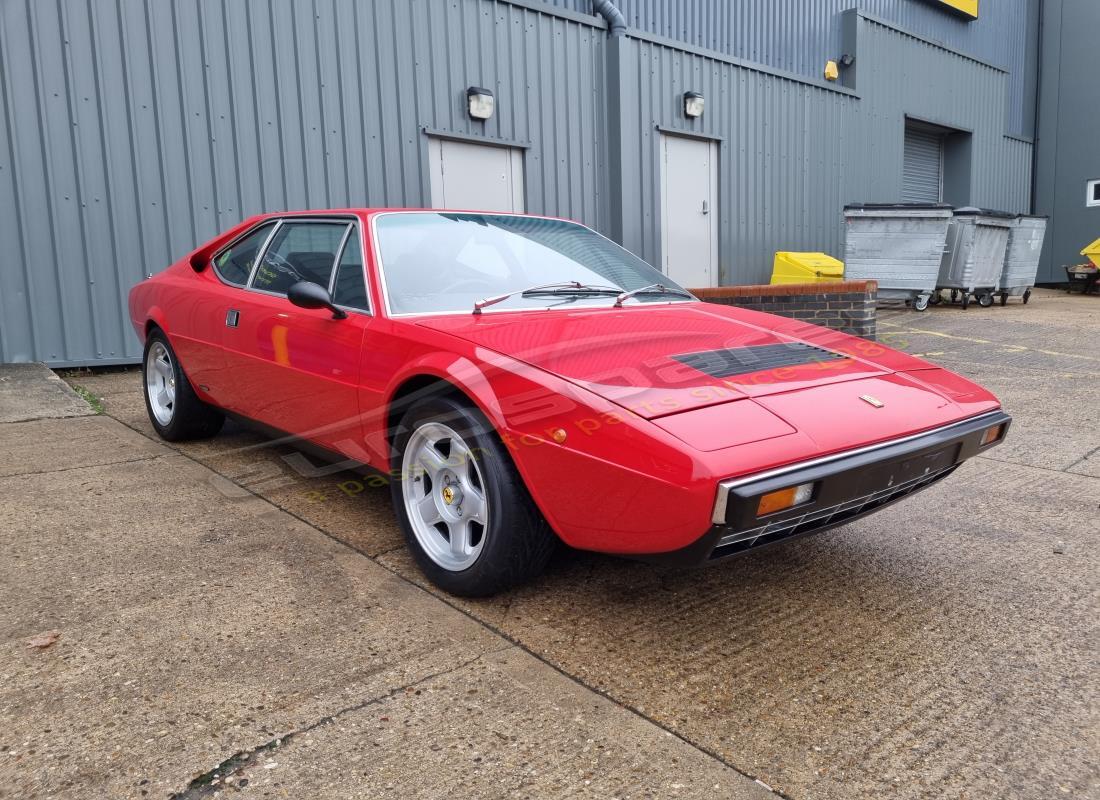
point(743, 360)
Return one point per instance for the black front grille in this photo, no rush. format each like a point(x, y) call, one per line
point(743, 360)
point(823, 518)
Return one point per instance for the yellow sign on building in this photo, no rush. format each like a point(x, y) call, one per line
point(967, 7)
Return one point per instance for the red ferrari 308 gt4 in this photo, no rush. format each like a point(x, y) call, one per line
point(522, 379)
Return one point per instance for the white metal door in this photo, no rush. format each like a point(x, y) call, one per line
point(689, 213)
point(475, 177)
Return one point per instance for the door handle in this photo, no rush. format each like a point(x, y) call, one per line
point(706, 207)
point(232, 317)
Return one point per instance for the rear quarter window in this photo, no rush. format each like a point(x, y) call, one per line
point(234, 263)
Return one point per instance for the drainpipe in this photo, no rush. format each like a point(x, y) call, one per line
point(615, 20)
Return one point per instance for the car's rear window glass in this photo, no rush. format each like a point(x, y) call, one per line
point(234, 264)
point(300, 251)
point(350, 289)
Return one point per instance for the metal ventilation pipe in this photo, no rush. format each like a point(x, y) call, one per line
point(614, 17)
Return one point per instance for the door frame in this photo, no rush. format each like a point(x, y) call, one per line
point(433, 141)
point(715, 146)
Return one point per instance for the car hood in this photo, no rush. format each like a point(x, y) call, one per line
point(663, 360)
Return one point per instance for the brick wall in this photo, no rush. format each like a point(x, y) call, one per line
point(847, 306)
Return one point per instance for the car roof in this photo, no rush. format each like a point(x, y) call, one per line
point(375, 210)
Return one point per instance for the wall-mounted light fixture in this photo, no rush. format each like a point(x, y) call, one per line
point(479, 102)
point(693, 104)
point(847, 60)
point(832, 72)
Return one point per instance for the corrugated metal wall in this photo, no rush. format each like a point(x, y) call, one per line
point(1068, 155)
point(800, 35)
point(900, 76)
point(781, 156)
point(133, 130)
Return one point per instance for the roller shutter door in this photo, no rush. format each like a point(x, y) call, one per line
point(922, 171)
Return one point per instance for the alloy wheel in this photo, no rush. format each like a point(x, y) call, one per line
point(444, 496)
point(160, 383)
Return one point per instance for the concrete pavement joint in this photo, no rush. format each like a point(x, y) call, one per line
point(489, 627)
point(1082, 459)
point(1062, 471)
point(204, 786)
point(88, 466)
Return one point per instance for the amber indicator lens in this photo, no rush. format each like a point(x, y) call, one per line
point(784, 498)
point(993, 434)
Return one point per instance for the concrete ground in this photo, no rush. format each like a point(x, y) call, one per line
point(220, 614)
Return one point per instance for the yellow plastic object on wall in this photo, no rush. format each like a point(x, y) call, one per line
point(806, 268)
point(1093, 252)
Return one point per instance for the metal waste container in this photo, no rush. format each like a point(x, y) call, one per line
point(974, 254)
point(899, 245)
point(1025, 243)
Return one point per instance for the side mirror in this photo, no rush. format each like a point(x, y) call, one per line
point(307, 294)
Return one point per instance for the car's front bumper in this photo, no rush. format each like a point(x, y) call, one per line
point(847, 486)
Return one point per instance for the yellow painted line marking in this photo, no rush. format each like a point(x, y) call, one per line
point(1018, 348)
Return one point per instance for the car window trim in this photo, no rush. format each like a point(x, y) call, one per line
point(380, 267)
point(362, 269)
point(260, 256)
point(336, 260)
point(352, 220)
point(259, 253)
point(299, 221)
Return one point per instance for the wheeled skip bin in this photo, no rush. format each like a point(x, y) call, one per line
point(974, 254)
point(1025, 242)
point(899, 245)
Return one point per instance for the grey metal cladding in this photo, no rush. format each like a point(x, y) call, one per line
point(799, 35)
point(134, 130)
point(793, 153)
point(904, 76)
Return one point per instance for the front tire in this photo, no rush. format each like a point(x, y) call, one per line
point(467, 517)
point(176, 412)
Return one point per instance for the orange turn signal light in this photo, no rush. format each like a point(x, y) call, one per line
point(784, 498)
point(991, 435)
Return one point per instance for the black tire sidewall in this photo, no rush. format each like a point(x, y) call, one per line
point(172, 428)
point(191, 418)
point(511, 511)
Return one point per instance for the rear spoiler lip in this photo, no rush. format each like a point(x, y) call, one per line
point(199, 259)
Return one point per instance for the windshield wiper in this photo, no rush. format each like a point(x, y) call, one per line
point(653, 288)
point(561, 288)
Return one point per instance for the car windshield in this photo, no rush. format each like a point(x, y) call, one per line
point(441, 262)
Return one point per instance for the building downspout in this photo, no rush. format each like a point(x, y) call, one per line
point(1036, 111)
point(615, 20)
point(614, 53)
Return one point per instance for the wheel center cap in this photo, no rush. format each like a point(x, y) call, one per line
point(451, 495)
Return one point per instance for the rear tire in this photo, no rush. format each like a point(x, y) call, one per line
point(466, 514)
point(176, 412)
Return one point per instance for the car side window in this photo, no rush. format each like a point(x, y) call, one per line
point(350, 288)
point(300, 251)
point(234, 263)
